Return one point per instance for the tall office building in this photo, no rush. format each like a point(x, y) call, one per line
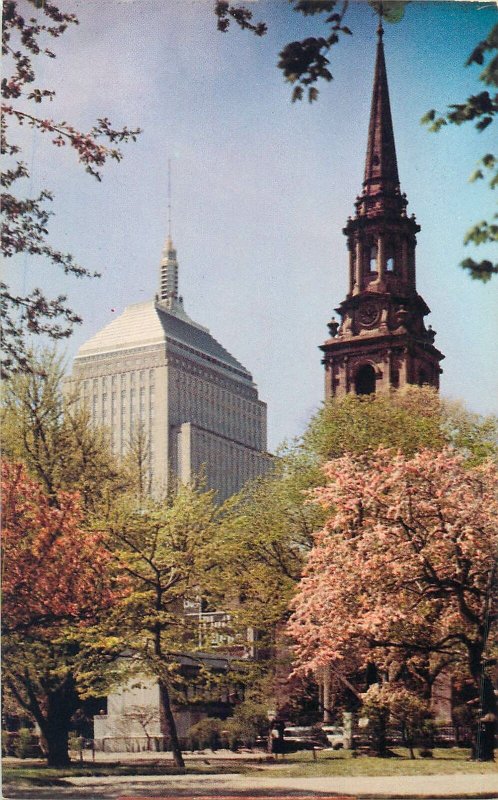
point(154, 373)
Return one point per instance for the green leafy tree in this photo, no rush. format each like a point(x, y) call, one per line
point(260, 546)
point(394, 703)
point(206, 733)
point(50, 432)
point(407, 420)
point(161, 547)
point(249, 723)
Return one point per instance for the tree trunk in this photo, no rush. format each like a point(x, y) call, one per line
point(484, 737)
point(171, 726)
point(380, 735)
point(484, 742)
point(56, 738)
point(61, 702)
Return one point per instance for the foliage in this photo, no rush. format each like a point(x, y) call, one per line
point(23, 743)
point(52, 572)
point(26, 218)
point(160, 546)
point(404, 569)
point(56, 582)
point(248, 723)
point(254, 714)
point(240, 733)
point(404, 419)
point(382, 703)
point(75, 742)
point(51, 433)
point(228, 13)
point(480, 109)
point(260, 546)
point(306, 62)
point(407, 419)
point(268, 530)
point(206, 733)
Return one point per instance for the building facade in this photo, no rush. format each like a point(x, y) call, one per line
point(154, 373)
point(381, 341)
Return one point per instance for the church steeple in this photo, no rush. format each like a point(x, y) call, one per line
point(381, 341)
point(381, 182)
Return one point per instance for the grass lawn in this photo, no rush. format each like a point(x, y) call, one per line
point(39, 774)
point(328, 763)
point(337, 762)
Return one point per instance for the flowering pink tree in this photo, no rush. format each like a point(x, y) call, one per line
point(57, 583)
point(404, 570)
point(26, 28)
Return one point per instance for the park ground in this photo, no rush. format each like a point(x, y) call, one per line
point(250, 775)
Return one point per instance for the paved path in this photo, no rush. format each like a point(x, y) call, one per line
point(246, 786)
point(406, 786)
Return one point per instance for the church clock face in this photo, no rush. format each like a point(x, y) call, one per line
point(368, 314)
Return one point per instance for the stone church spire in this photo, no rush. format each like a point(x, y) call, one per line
point(381, 182)
point(381, 341)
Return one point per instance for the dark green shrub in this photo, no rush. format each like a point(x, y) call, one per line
point(206, 733)
point(23, 743)
point(75, 742)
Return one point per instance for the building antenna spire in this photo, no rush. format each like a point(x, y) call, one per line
point(169, 198)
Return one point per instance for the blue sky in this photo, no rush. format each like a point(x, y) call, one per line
point(262, 187)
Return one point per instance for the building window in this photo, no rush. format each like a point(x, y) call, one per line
point(365, 380)
point(373, 259)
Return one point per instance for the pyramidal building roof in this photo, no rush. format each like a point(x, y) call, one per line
point(162, 321)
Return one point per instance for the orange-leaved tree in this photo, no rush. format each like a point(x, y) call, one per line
point(404, 571)
point(57, 581)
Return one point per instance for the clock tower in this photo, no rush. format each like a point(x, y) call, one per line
point(381, 341)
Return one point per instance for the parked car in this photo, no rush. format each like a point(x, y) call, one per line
point(335, 736)
point(304, 738)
